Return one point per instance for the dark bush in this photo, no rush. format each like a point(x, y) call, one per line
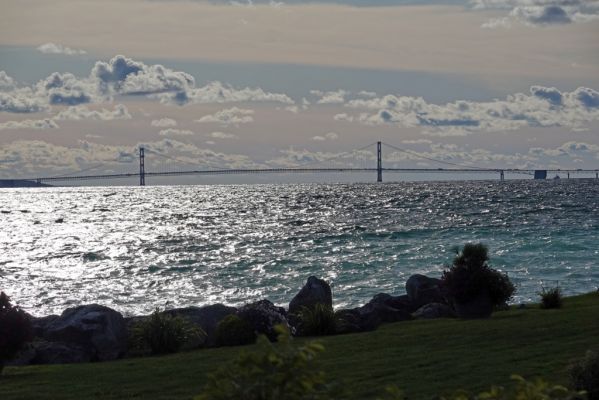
point(162, 333)
point(15, 329)
point(234, 331)
point(584, 374)
point(274, 371)
point(317, 320)
point(470, 275)
point(551, 298)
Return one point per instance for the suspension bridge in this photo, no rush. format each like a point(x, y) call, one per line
point(375, 158)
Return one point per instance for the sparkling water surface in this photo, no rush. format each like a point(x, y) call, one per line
point(135, 248)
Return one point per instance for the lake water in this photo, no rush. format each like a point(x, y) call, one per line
point(134, 248)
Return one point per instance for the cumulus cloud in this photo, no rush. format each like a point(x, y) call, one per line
point(176, 132)
point(540, 12)
point(122, 76)
point(31, 158)
point(164, 122)
point(77, 113)
point(217, 92)
point(568, 149)
point(229, 116)
point(543, 107)
point(6, 82)
point(333, 97)
point(223, 135)
point(29, 124)
point(53, 48)
point(326, 136)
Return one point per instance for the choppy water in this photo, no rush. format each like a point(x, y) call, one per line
point(137, 248)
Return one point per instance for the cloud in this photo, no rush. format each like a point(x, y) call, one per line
point(77, 113)
point(326, 136)
point(569, 149)
point(176, 132)
point(31, 158)
point(122, 76)
point(29, 124)
point(126, 76)
point(223, 135)
point(6, 82)
point(334, 97)
point(229, 116)
point(164, 122)
point(217, 92)
point(540, 12)
point(417, 141)
point(52, 48)
point(543, 107)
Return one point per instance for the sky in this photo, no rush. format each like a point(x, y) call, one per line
point(263, 84)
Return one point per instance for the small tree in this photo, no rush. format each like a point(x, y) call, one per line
point(470, 276)
point(15, 329)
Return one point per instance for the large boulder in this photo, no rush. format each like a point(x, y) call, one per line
point(207, 318)
point(59, 353)
point(263, 316)
point(315, 291)
point(99, 330)
point(433, 311)
point(423, 290)
point(382, 308)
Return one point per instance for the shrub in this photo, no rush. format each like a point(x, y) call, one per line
point(15, 329)
point(234, 331)
point(551, 298)
point(470, 275)
point(163, 333)
point(521, 390)
point(584, 374)
point(317, 320)
point(275, 371)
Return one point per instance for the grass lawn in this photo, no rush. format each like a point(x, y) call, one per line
point(423, 358)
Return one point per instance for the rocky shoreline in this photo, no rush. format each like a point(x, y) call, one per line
point(90, 333)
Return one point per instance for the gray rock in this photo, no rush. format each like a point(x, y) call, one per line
point(263, 316)
point(315, 291)
point(97, 329)
point(38, 325)
point(434, 310)
point(381, 309)
point(424, 290)
point(59, 353)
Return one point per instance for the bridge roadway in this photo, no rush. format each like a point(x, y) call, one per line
point(305, 171)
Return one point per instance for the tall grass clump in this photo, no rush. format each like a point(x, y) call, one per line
point(584, 374)
point(15, 329)
point(551, 298)
point(163, 333)
point(318, 320)
point(234, 331)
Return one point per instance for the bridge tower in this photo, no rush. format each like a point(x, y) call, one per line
point(379, 162)
point(501, 175)
point(142, 167)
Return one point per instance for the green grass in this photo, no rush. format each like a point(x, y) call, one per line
point(421, 357)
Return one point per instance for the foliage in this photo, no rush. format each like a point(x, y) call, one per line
point(521, 390)
point(234, 331)
point(275, 371)
point(470, 275)
point(15, 329)
point(163, 333)
point(584, 374)
point(317, 320)
point(551, 298)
